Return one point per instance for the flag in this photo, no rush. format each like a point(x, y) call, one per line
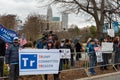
point(23, 40)
point(6, 34)
point(97, 49)
point(7, 45)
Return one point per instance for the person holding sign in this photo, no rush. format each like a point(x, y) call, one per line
point(68, 45)
point(98, 51)
point(58, 46)
point(107, 48)
point(50, 45)
point(92, 55)
point(12, 59)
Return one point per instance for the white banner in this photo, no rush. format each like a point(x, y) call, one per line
point(39, 61)
point(99, 56)
point(107, 47)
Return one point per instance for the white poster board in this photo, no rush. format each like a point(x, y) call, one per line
point(99, 56)
point(107, 47)
point(39, 61)
point(111, 32)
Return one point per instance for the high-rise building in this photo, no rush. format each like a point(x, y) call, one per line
point(56, 24)
point(64, 21)
point(49, 17)
point(49, 13)
point(53, 23)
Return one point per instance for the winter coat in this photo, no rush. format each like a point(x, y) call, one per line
point(40, 45)
point(67, 46)
point(116, 47)
point(12, 54)
point(91, 51)
point(78, 47)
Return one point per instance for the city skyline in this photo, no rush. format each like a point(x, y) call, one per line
point(23, 8)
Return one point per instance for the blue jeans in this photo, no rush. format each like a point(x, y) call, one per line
point(92, 63)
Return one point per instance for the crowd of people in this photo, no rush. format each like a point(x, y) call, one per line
point(106, 55)
point(51, 41)
point(48, 41)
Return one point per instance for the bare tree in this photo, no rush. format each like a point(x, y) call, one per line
point(8, 21)
point(34, 26)
point(98, 9)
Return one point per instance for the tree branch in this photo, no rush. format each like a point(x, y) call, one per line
point(84, 8)
point(64, 1)
point(95, 11)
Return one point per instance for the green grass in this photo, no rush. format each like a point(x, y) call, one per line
point(6, 71)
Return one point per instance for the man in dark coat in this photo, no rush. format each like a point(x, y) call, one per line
point(12, 59)
point(2, 54)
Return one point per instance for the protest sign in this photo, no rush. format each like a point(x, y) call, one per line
point(99, 56)
point(111, 32)
point(107, 47)
point(65, 53)
point(39, 61)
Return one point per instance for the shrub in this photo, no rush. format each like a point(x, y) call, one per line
point(6, 71)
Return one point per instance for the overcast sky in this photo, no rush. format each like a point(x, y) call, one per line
point(22, 8)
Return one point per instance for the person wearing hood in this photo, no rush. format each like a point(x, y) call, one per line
point(50, 44)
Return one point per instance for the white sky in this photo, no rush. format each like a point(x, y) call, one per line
point(22, 8)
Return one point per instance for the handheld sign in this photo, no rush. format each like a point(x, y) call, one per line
point(107, 47)
point(111, 32)
point(65, 53)
point(99, 56)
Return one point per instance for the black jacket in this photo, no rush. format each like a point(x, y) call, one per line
point(67, 46)
point(2, 48)
point(116, 47)
point(78, 47)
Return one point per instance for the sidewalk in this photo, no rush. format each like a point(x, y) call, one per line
point(110, 76)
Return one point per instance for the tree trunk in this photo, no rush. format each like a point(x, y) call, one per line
point(99, 30)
